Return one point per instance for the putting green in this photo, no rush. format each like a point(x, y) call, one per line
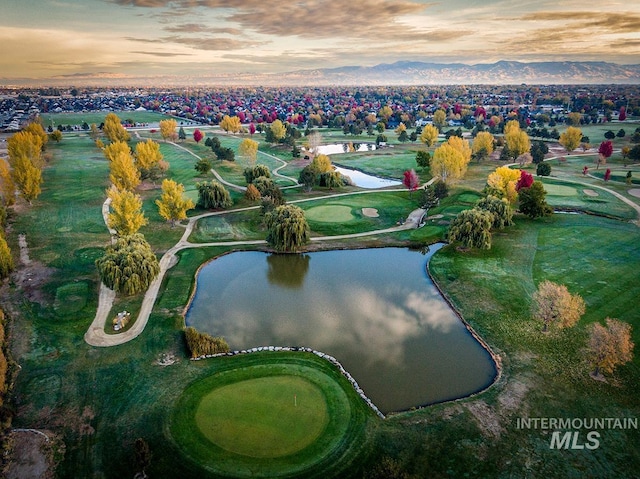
point(264, 417)
point(560, 190)
point(274, 416)
point(329, 214)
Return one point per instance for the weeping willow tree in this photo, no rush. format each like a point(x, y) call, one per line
point(472, 228)
point(213, 195)
point(129, 266)
point(288, 228)
point(500, 208)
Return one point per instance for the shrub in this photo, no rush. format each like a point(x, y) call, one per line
point(202, 344)
point(543, 169)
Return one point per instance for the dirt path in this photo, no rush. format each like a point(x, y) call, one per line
point(96, 335)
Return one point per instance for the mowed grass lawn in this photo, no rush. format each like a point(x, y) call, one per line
point(282, 416)
point(78, 118)
point(546, 375)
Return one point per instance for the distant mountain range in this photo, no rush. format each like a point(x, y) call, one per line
point(398, 73)
point(502, 72)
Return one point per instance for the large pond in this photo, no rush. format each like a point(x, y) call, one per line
point(375, 310)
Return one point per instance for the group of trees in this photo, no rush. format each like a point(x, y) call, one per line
point(320, 172)
point(472, 228)
point(26, 162)
point(607, 346)
point(128, 266)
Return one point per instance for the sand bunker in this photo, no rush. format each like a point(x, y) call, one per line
point(590, 193)
point(370, 212)
point(634, 192)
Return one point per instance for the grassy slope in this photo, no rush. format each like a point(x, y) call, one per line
point(102, 399)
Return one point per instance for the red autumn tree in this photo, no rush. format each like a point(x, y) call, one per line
point(410, 180)
point(197, 135)
point(252, 128)
point(606, 148)
point(622, 116)
point(607, 174)
point(525, 181)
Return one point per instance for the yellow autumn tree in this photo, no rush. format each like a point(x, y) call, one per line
point(123, 172)
point(517, 141)
point(482, 145)
point(462, 146)
point(147, 158)
point(35, 128)
point(571, 138)
point(112, 150)
point(172, 205)
point(230, 124)
point(6, 264)
point(278, 130)
point(439, 119)
point(27, 178)
point(168, 129)
point(429, 135)
point(28, 145)
point(125, 216)
point(113, 128)
point(609, 346)
point(7, 185)
point(249, 149)
point(502, 183)
point(448, 163)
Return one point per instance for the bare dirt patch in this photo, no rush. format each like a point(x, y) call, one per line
point(487, 419)
point(32, 274)
point(31, 455)
point(590, 193)
point(370, 212)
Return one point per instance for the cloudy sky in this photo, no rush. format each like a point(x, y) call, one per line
point(53, 38)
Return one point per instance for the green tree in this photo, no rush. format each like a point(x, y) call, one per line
point(253, 172)
point(128, 266)
point(543, 169)
point(125, 216)
point(172, 205)
point(143, 457)
point(203, 166)
point(538, 150)
point(213, 195)
point(553, 305)
point(308, 177)
point(423, 158)
point(499, 208)
point(472, 228)
point(288, 228)
point(532, 201)
point(182, 135)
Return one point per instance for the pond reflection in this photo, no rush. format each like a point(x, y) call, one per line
point(375, 310)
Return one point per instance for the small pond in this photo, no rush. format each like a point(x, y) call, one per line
point(375, 310)
point(360, 179)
